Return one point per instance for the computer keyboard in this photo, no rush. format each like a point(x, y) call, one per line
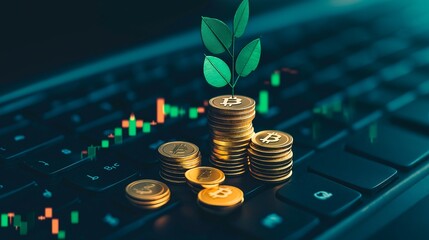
point(356, 105)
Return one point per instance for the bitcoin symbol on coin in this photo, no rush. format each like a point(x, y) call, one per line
point(231, 101)
point(147, 189)
point(271, 137)
point(221, 193)
point(179, 149)
point(205, 174)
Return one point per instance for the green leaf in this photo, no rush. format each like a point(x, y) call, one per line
point(248, 58)
point(216, 35)
point(216, 71)
point(241, 18)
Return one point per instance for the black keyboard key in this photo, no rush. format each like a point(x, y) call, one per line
point(384, 98)
point(389, 144)
point(26, 139)
point(352, 170)
point(101, 174)
point(59, 157)
point(415, 114)
point(266, 217)
point(316, 133)
point(13, 181)
point(408, 82)
point(319, 195)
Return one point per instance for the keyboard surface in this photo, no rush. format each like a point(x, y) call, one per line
point(354, 94)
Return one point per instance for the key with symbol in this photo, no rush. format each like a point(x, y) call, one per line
point(58, 158)
point(100, 175)
point(319, 195)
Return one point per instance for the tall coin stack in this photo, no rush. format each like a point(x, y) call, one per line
point(176, 158)
point(270, 155)
point(230, 120)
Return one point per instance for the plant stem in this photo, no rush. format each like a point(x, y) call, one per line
point(236, 80)
point(233, 64)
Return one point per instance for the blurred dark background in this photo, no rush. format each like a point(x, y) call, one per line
point(40, 38)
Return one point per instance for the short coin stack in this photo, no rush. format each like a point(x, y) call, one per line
point(230, 119)
point(270, 155)
point(200, 178)
point(220, 200)
point(147, 194)
point(176, 158)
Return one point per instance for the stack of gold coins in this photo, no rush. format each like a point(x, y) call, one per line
point(200, 178)
point(176, 158)
point(230, 119)
point(270, 155)
point(147, 194)
point(220, 200)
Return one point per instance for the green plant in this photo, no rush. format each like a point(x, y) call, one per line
point(218, 38)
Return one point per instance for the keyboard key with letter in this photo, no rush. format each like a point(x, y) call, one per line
point(319, 195)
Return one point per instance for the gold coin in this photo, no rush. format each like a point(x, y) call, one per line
point(268, 165)
point(148, 207)
point(281, 158)
point(178, 150)
point(281, 179)
point(205, 176)
point(147, 189)
point(243, 143)
point(223, 196)
point(229, 130)
point(227, 103)
point(272, 139)
point(268, 151)
point(231, 121)
point(148, 203)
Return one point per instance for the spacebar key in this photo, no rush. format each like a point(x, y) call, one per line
point(265, 217)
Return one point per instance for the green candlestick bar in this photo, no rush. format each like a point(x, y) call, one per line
point(146, 127)
point(167, 109)
point(193, 113)
point(263, 102)
point(17, 220)
point(104, 143)
point(92, 152)
point(23, 228)
point(174, 111)
point(74, 217)
point(118, 135)
point(275, 79)
point(61, 234)
point(4, 220)
point(132, 128)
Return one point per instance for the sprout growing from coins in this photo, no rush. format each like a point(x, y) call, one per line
point(218, 38)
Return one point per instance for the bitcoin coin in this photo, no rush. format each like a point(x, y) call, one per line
point(223, 196)
point(176, 158)
point(178, 150)
point(271, 156)
point(147, 189)
point(228, 103)
point(230, 120)
point(272, 139)
point(147, 193)
point(205, 176)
